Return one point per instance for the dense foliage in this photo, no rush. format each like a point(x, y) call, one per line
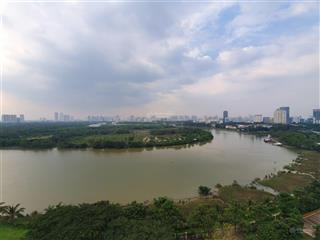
point(204, 190)
point(308, 198)
point(272, 219)
point(80, 135)
point(317, 233)
point(104, 220)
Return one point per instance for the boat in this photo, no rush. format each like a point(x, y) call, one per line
point(268, 139)
point(277, 144)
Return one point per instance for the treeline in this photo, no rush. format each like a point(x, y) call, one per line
point(75, 135)
point(306, 136)
point(303, 139)
point(274, 219)
point(156, 138)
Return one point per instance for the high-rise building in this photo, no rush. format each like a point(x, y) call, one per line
point(21, 118)
point(316, 115)
point(267, 120)
point(287, 110)
point(61, 116)
point(12, 118)
point(258, 118)
point(9, 118)
point(56, 116)
point(225, 116)
point(280, 116)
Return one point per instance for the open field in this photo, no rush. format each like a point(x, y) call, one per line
point(308, 162)
point(226, 194)
point(239, 193)
point(287, 182)
point(301, 172)
point(11, 233)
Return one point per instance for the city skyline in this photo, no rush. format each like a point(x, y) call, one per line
point(177, 58)
point(280, 115)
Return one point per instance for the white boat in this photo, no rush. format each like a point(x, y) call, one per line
point(268, 139)
point(277, 144)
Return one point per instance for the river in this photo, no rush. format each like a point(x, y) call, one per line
point(37, 179)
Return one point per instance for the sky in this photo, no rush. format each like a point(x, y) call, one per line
point(159, 58)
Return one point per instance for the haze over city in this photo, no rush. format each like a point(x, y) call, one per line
point(160, 58)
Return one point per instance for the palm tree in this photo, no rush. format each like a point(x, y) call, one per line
point(14, 211)
point(2, 208)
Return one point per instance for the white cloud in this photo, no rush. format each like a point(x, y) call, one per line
point(155, 57)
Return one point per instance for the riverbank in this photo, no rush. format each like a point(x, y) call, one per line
point(300, 173)
point(300, 139)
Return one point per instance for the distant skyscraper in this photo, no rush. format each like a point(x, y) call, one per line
point(12, 118)
point(225, 116)
point(9, 118)
point(56, 116)
point(316, 115)
point(287, 110)
point(61, 116)
point(280, 116)
point(267, 120)
point(258, 118)
point(21, 118)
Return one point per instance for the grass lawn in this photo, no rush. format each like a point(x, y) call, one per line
point(11, 233)
point(287, 182)
point(310, 163)
point(239, 193)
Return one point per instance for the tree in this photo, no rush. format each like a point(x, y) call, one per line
point(267, 231)
point(235, 214)
point(204, 217)
point(2, 208)
point(204, 191)
point(14, 211)
point(309, 197)
point(317, 232)
point(135, 210)
point(133, 229)
point(167, 212)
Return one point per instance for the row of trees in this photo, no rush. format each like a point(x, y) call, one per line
point(275, 220)
point(300, 136)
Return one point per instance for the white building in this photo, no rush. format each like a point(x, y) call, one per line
point(258, 118)
point(280, 116)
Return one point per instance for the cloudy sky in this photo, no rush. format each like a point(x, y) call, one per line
point(159, 58)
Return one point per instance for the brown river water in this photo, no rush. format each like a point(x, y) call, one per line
point(37, 179)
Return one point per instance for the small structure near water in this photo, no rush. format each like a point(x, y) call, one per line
point(269, 139)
